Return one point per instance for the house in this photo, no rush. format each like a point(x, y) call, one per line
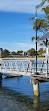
point(25, 54)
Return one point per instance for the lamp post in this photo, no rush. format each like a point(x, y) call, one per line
point(37, 7)
point(36, 40)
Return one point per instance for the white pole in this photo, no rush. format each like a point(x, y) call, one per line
point(46, 61)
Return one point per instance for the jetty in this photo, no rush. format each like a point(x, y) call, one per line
point(38, 72)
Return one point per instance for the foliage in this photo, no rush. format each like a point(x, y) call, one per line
point(33, 38)
point(42, 24)
point(46, 10)
point(46, 0)
point(41, 43)
point(5, 53)
point(31, 52)
point(19, 52)
point(41, 51)
point(13, 53)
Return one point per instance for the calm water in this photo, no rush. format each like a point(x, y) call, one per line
point(16, 94)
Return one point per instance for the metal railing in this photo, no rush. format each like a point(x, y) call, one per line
point(22, 66)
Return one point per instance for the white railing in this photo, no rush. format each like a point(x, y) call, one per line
point(25, 66)
point(17, 65)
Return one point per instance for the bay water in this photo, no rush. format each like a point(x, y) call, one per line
point(16, 94)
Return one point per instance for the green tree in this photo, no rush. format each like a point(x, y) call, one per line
point(19, 52)
point(5, 53)
point(31, 52)
point(13, 53)
point(42, 24)
point(41, 51)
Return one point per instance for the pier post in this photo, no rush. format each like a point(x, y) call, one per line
point(35, 86)
point(36, 89)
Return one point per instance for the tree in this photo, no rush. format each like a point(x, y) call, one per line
point(41, 51)
point(46, 0)
point(31, 52)
point(42, 24)
point(13, 53)
point(19, 52)
point(5, 53)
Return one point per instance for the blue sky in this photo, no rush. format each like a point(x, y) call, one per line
point(15, 28)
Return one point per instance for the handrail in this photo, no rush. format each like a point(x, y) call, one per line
point(20, 65)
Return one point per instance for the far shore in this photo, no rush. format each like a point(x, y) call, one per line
point(21, 58)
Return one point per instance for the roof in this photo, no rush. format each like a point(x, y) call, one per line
point(44, 36)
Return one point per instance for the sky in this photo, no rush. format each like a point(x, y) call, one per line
point(15, 28)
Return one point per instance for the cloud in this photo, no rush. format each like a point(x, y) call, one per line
point(26, 6)
point(17, 46)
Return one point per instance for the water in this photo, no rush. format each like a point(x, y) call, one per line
point(16, 94)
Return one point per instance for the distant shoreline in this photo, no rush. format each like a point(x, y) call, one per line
point(39, 58)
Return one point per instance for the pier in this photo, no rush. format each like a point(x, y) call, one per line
point(18, 68)
point(38, 72)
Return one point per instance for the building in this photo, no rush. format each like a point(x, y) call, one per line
point(25, 54)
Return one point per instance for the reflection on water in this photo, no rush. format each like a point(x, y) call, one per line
point(16, 94)
point(19, 84)
point(36, 103)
